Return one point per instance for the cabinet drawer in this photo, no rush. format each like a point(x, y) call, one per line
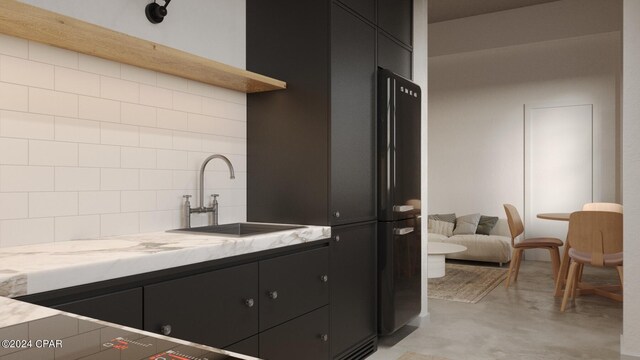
point(217, 308)
point(305, 337)
point(250, 346)
point(292, 285)
point(123, 307)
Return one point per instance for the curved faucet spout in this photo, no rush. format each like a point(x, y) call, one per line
point(232, 174)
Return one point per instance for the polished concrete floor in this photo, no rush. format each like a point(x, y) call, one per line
point(522, 322)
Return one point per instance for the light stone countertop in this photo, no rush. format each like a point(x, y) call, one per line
point(38, 268)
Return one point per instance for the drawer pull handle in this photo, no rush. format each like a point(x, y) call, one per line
point(336, 214)
point(403, 231)
point(324, 337)
point(249, 302)
point(324, 278)
point(337, 238)
point(165, 329)
point(273, 295)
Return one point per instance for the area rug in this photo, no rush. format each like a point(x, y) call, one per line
point(414, 356)
point(466, 283)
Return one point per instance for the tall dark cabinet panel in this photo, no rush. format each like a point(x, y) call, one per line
point(393, 56)
point(396, 18)
point(353, 286)
point(312, 149)
point(365, 8)
point(353, 133)
point(288, 131)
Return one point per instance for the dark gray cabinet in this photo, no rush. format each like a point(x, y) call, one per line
point(122, 307)
point(217, 308)
point(306, 337)
point(353, 286)
point(250, 346)
point(394, 56)
point(292, 285)
point(396, 18)
point(364, 8)
point(311, 149)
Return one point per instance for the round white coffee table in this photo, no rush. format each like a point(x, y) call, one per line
point(436, 252)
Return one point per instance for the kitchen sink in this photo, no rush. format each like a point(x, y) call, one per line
point(238, 229)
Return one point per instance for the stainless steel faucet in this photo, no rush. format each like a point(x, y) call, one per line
point(214, 201)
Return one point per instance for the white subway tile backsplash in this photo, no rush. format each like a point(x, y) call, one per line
point(158, 221)
point(99, 66)
point(172, 82)
point(119, 179)
point(14, 152)
point(26, 231)
point(91, 147)
point(14, 97)
point(52, 102)
point(119, 134)
point(187, 141)
point(117, 89)
point(172, 159)
point(55, 153)
point(223, 144)
point(131, 201)
point(92, 108)
point(155, 96)
point(135, 114)
point(46, 204)
point(224, 109)
point(155, 179)
point(138, 158)
point(76, 130)
point(26, 72)
point(25, 125)
point(77, 179)
point(53, 55)
point(139, 75)
point(13, 46)
point(103, 156)
point(156, 138)
point(77, 227)
point(26, 178)
point(119, 224)
point(77, 82)
point(170, 119)
point(187, 102)
point(98, 202)
point(185, 179)
point(14, 205)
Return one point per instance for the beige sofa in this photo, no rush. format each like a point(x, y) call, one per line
point(495, 247)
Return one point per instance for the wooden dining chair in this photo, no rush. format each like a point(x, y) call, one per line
point(596, 239)
point(516, 227)
point(613, 207)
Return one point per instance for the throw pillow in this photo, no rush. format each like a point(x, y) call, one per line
point(466, 224)
point(444, 217)
point(440, 227)
point(486, 224)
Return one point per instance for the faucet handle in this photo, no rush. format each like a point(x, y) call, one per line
point(186, 197)
point(215, 196)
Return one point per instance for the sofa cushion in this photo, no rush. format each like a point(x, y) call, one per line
point(466, 224)
point(436, 237)
point(485, 224)
point(440, 227)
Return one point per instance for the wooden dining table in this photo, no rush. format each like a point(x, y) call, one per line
point(581, 288)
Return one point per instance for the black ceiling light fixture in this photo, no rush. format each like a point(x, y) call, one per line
point(156, 13)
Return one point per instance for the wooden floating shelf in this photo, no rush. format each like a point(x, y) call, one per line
point(34, 23)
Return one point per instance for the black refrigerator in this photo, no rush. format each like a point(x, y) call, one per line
point(399, 254)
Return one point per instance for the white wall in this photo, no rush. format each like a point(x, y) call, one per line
point(631, 174)
point(214, 29)
point(420, 76)
point(476, 101)
point(91, 148)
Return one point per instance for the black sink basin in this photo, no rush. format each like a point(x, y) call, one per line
point(238, 229)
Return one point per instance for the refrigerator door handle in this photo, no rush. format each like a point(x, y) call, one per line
point(402, 208)
point(403, 231)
